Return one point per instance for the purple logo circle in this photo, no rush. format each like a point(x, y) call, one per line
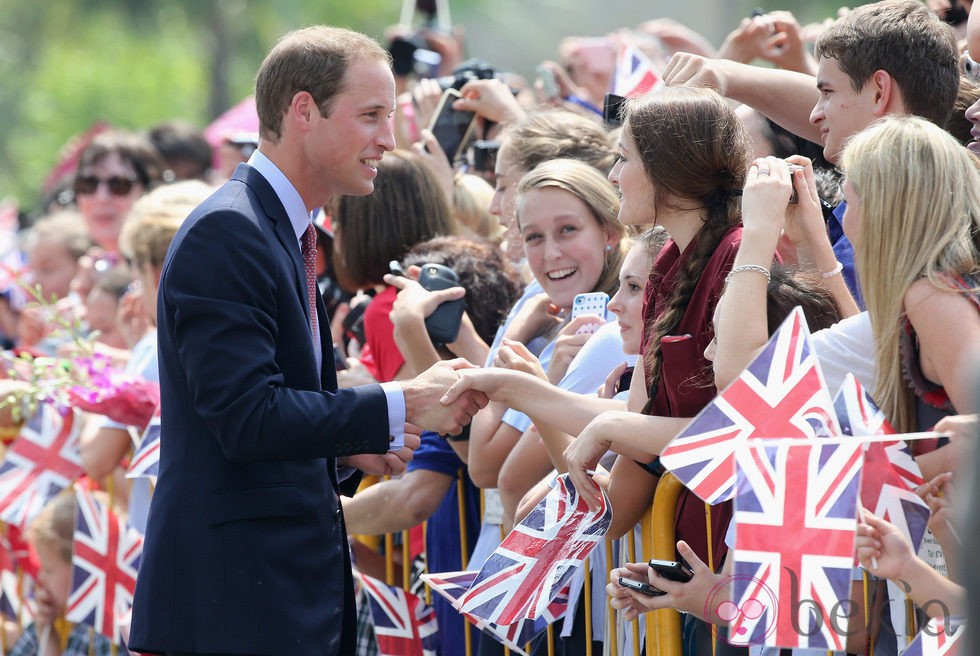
point(752, 618)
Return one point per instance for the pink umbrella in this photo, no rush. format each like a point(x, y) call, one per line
point(242, 118)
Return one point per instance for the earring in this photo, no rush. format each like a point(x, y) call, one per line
point(608, 247)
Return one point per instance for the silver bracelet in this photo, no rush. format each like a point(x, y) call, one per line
point(833, 272)
point(749, 267)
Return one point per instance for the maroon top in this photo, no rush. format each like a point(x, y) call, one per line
point(687, 381)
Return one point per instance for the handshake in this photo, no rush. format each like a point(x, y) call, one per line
point(424, 407)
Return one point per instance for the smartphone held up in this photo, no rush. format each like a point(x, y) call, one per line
point(452, 128)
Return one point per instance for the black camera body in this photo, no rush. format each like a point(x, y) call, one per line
point(471, 69)
point(443, 324)
point(484, 155)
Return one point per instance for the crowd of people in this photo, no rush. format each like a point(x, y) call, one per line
point(286, 307)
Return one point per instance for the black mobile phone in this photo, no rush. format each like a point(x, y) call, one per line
point(625, 379)
point(452, 128)
point(612, 109)
point(675, 570)
point(443, 324)
point(641, 587)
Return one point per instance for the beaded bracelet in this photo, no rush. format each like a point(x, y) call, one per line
point(749, 267)
point(836, 271)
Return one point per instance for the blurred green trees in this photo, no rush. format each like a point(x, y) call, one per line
point(65, 64)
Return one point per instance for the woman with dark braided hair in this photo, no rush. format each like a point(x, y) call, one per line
point(682, 165)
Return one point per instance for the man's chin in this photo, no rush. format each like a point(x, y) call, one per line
point(831, 153)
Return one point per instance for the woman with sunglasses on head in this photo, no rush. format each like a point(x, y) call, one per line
point(114, 170)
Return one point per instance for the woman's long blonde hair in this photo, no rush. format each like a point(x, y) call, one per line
point(920, 218)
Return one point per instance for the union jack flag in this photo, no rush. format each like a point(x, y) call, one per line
point(20, 551)
point(403, 623)
point(635, 74)
point(795, 516)
point(105, 559)
point(146, 460)
point(780, 394)
point(538, 558)
point(890, 473)
point(453, 585)
point(16, 584)
point(41, 462)
point(940, 637)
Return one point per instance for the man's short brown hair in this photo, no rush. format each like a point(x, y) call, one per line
point(313, 59)
point(909, 42)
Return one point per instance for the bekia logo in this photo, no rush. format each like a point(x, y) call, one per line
point(751, 619)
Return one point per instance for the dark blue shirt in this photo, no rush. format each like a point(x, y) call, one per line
point(442, 533)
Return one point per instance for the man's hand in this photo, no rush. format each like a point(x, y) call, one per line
point(696, 71)
point(391, 463)
point(423, 394)
point(492, 100)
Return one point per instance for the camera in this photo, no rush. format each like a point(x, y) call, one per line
point(413, 54)
point(452, 128)
point(793, 168)
point(612, 109)
point(483, 155)
point(471, 69)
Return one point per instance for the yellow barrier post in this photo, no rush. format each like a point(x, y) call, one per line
point(587, 601)
point(631, 556)
point(463, 546)
point(612, 635)
point(664, 625)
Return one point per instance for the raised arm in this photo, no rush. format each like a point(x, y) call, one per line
point(787, 97)
point(742, 327)
point(543, 402)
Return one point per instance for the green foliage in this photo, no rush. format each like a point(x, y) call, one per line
point(101, 71)
point(67, 65)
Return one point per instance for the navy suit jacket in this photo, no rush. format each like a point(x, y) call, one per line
point(246, 550)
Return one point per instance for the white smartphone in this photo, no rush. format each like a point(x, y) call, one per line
point(590, 303)
point(549, 86)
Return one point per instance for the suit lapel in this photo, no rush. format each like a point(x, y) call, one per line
point(282, 228)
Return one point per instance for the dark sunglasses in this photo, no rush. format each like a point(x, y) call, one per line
point(89, 184)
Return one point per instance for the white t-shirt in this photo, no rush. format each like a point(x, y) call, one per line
point(847, 347)
point(587, 371)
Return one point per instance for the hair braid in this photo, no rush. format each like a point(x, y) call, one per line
point(708, 238)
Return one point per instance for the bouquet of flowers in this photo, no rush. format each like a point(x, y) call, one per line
point(87, 380)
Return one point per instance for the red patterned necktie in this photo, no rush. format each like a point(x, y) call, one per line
point(309, 263)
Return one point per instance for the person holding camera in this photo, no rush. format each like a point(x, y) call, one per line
point(430, 489)
point(407, 207)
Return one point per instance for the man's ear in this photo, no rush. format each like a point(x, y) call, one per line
point(302, 109)
point(886, 93)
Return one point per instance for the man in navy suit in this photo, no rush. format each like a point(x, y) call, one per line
point(246, 550)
